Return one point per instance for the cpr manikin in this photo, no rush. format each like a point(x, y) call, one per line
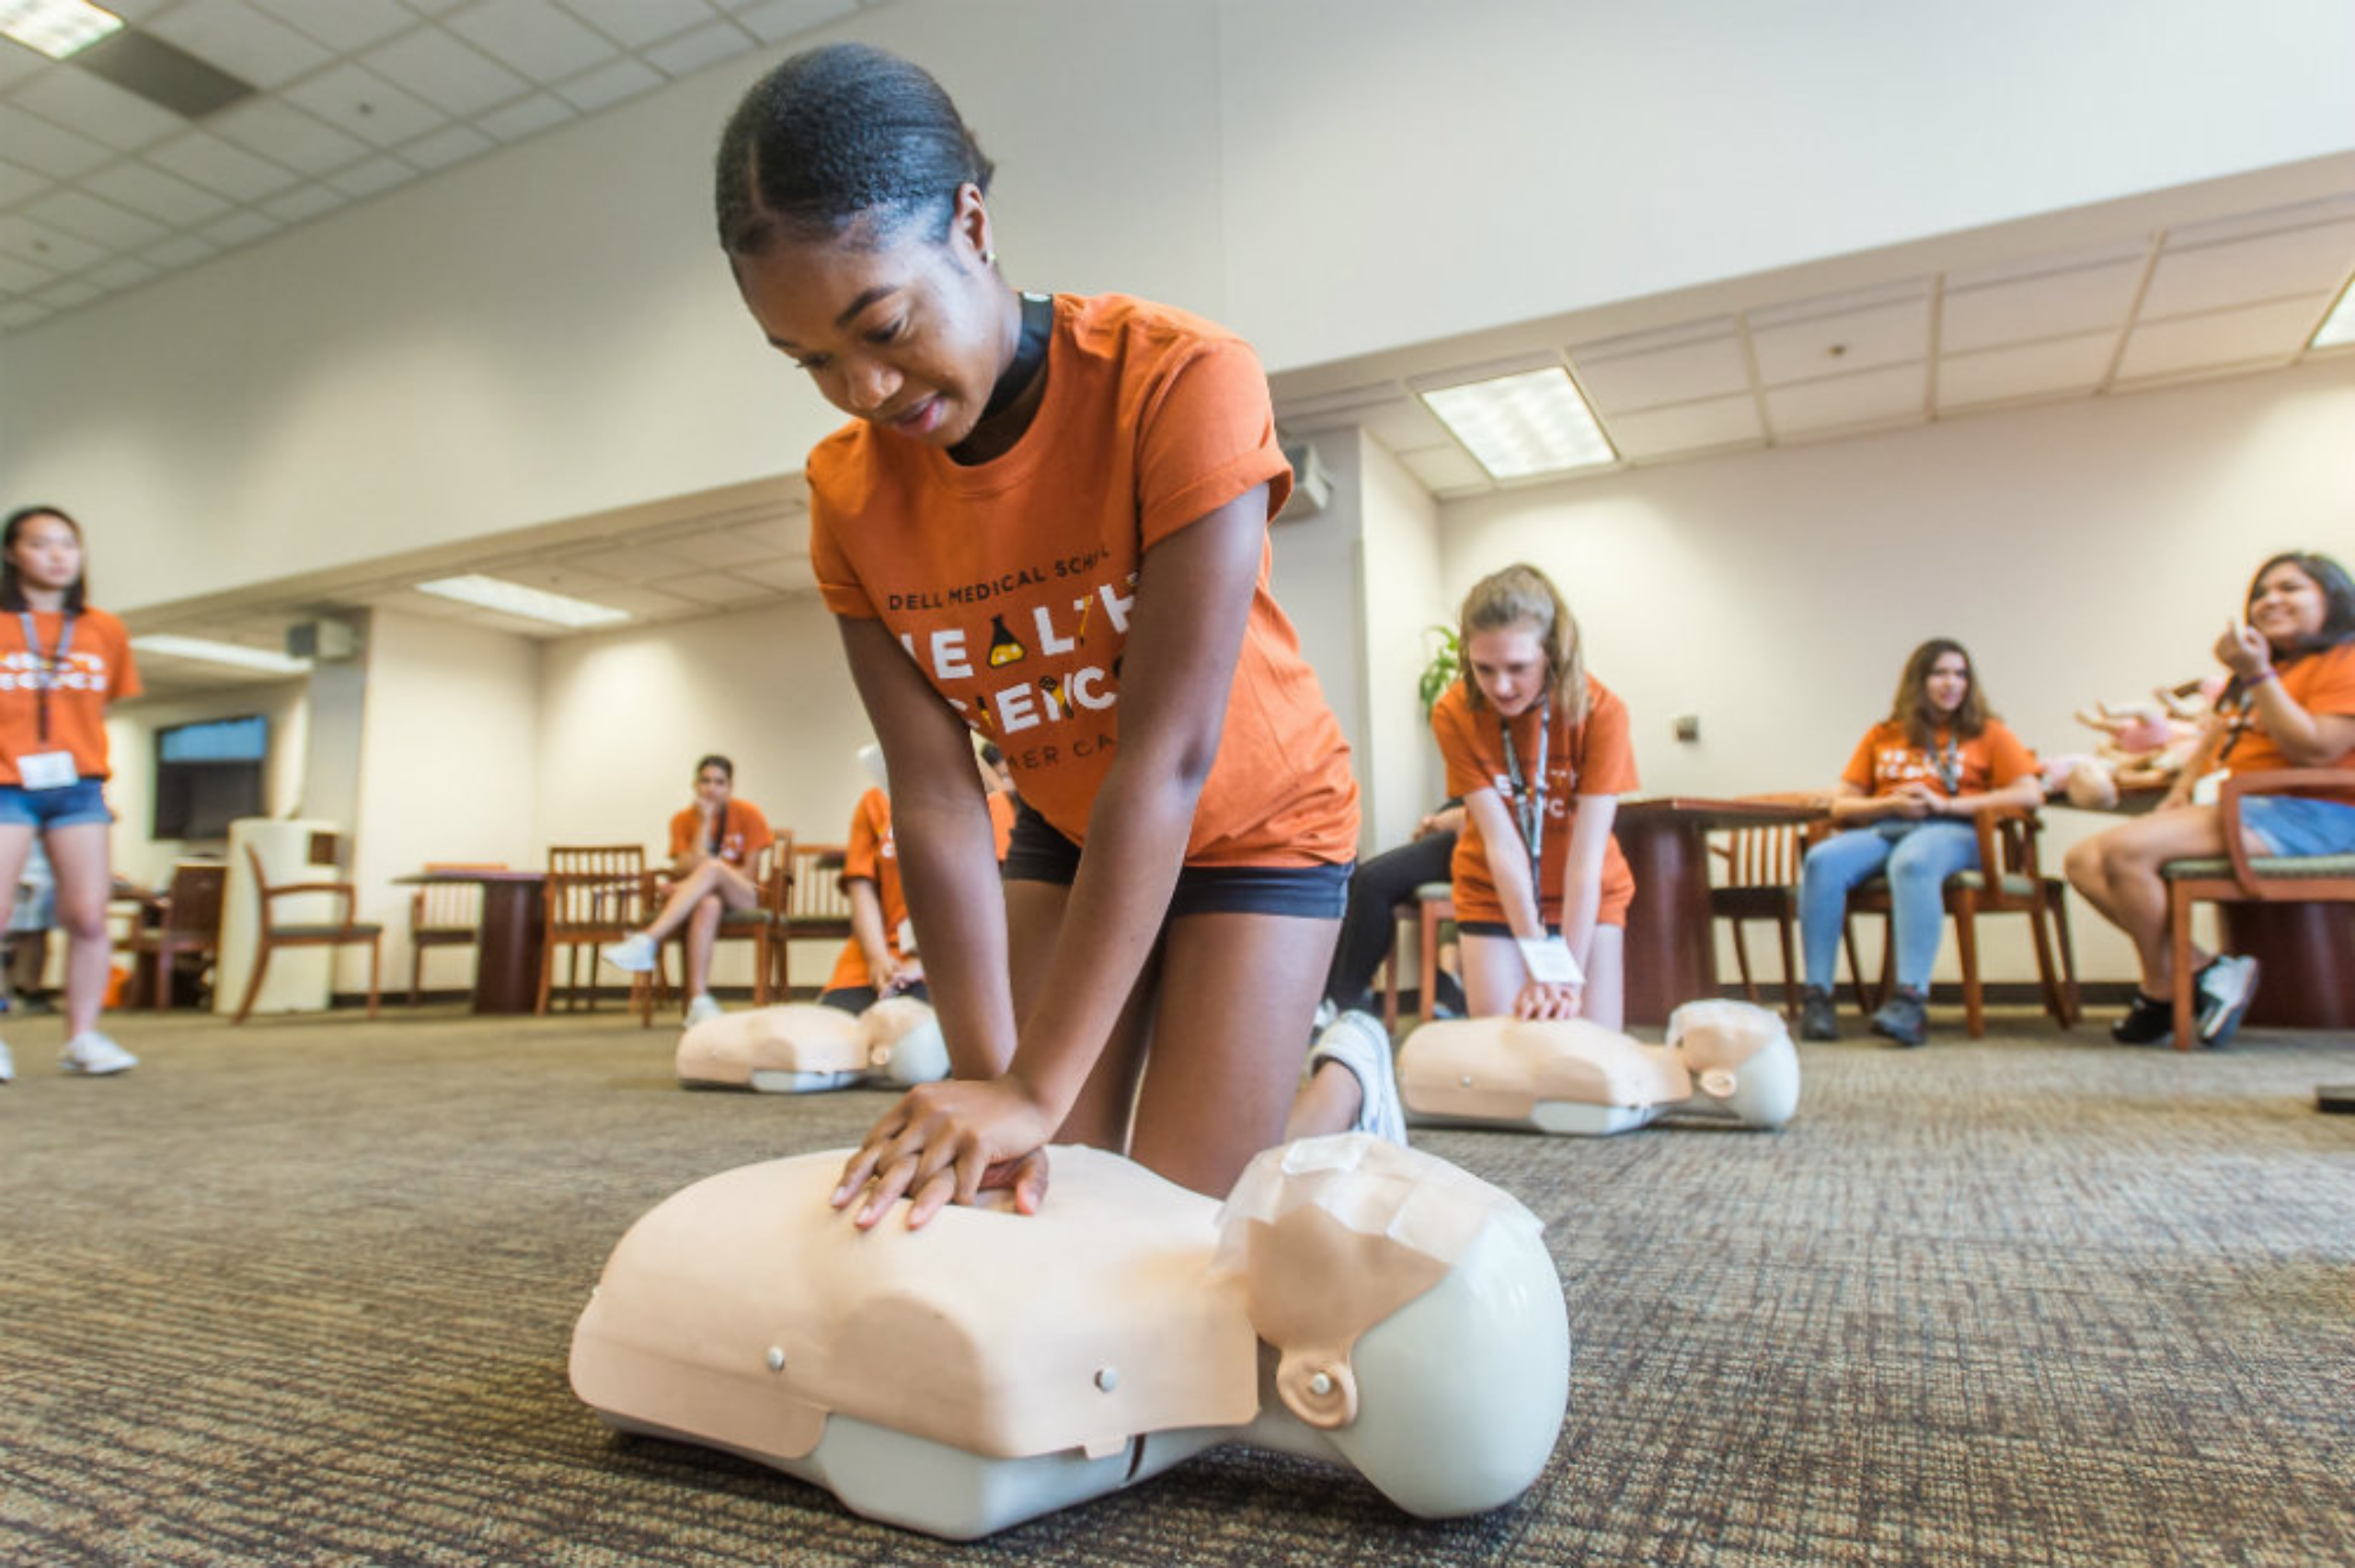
point(799, 1048)
point(1353, 1300)
point(1725, 1060)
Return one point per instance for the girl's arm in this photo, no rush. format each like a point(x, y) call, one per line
point(1852, 804)
point(2026, 792)
point(866, 930)
point(1194, 593)
point(1583, 873)
point(2309, 740)
point(1508, 872)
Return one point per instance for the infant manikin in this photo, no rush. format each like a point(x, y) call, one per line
point(1352, 1300)
point(2143, 746)
point(800, 1048)
point(1723, 1062)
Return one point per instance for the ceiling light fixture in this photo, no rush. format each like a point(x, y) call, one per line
point(2338, 328)
point(515, 599)
point(1520, 426)
point(59, 28)
point(204, 650)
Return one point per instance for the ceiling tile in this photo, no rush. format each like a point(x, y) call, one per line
point(1843, 342)
point(123, 272)
point(100, 223)
point(2253, 335)
point(377, 174)
point(302, 205)
point(2025, 370)
point(46, 147)
point(644, 602)
point(454, 77)
point(17, 182)
point(182, 250)
point(610, 83)
point(18, 276)
point(240, 41)
point(2305, 215)
point(344, 26)
point(557, 576)
point(532, 36)
point(2078, 260)
point(1446, 470)
point(713, 588)
point(203, 158)
point(163, 197)
point(1847, 304)
point(1879, 397)
point(725, 548)
point(451, 145)
point(1618, 378)
point(633, 564)
point(365, 105)
point(2238, 272)
point(783, 576)
point(633, 24)
point(771, 20)
point(97, 109)
point(691, 52)
point(22, 313)
point(66, 293)
point(527, 116)
point(239, 228)
point(1686, 427)
point(2055, 304)
point(45, 247)
point(282, 133)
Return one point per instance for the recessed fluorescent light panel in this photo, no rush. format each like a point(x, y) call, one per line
point(2338, 328)
point(59, 28)
point(206, 651)
point(515, 599)
point(1521, 425)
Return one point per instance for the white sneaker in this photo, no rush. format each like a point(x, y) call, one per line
point(702, 1010)
point(2223, 994)
point(7, 1066)
point(1358, 1042)
point(634, 953)
point(93, 1055)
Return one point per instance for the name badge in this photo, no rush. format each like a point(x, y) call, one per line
point(1550, 962)
point(47, 769)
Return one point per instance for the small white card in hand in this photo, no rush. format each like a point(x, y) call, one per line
point(1549, 961)
point(47, 769)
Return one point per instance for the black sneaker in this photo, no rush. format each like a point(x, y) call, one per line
point(1904, 1019)
point(1819, 1018)
point(2148, 1022)
point(2222, 992)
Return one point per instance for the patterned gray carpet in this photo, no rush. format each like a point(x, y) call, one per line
point(302, 1292)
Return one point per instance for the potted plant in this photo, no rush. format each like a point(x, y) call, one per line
point(1446, 663)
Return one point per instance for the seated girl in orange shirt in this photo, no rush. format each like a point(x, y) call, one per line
point(1538, 751)
point(714, 844)
point(2291, 698)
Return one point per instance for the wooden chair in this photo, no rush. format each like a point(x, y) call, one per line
point(2016, 885)
point(595, 894)
point(443, 915)
point(761, 925)
point(270, 934)
point(2239, 878)
point(815, 907)
point(190, 926)
point(1434, 906)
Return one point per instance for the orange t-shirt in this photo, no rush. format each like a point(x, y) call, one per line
point(743, 833)
point(97, 670)
point(1885, 760)
point(1011, 582)
point(2321, 683)
point(874, 856)
point(1595, 757)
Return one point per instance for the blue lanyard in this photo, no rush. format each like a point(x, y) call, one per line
point(1529, 797)
point(46, 666)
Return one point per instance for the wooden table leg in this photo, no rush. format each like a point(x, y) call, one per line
point(507, 952)
point(1671, 950)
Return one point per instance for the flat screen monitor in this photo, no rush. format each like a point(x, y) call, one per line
point(208, 774)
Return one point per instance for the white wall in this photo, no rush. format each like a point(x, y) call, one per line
point(548, 332)
point(1404, 594)
point(2081, 551)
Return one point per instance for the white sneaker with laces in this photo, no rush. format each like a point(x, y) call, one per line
point(702, 1010)
point(1358, 1042)
point(634, 953)
point(2225, 990)
point(7, 1066)
point(94, 1056)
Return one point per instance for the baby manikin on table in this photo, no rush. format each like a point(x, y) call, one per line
point(1352, 1300)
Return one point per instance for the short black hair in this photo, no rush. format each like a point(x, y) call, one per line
point(12, 582)
point(838, 137)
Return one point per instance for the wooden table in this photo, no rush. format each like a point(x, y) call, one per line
point(508, 943)
point(1671, 940)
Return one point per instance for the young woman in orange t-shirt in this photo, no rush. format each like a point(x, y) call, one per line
point(2289, 703)
point(62, 662)
point(1539, 752)
point(1906, 803)
point(715, 845)
point(1048, 525)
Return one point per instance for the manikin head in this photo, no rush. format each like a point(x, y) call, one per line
point(2301, 603)
point(40, 549)
point(851, 205)
point(1740, 1058)
point(1521, 645)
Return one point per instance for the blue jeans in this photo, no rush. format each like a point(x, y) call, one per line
point(1918, 857)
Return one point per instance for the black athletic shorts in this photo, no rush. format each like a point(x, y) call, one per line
point(1037, 852)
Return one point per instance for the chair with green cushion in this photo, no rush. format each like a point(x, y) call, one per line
point(2239, 878)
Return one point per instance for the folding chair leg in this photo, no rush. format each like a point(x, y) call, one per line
point(2179, 943)
point(253, 986)
point(1741, 961)
point(2047, 982)
point(1427, 999)
point(1966, 936)
point(1865, 1002)
point(375, 965)
point(1790, 969)
point(2058, 896)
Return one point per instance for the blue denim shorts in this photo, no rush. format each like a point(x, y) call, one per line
point(1037, 852)
point(45, 809)
point(2291, 824)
